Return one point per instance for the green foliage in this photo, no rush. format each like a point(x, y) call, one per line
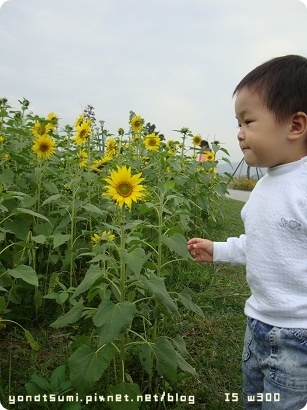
point(59, 387)
point(71, 255)
point(87, 366)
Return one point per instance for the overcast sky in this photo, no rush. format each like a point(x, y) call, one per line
point(174, 62)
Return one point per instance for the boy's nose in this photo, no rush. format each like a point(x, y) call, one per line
point(241, 135)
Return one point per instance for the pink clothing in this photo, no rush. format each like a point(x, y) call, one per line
point(201, 158)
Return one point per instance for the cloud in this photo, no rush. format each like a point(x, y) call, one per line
point(2, 2)
point(175, 62)
point(304, 2)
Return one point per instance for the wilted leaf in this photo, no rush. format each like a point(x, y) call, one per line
point(32, 342)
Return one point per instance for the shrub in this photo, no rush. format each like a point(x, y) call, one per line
point(244, 184)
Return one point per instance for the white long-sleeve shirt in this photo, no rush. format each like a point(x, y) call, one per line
point(274, 247)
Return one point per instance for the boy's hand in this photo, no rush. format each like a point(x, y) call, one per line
point(201, 249)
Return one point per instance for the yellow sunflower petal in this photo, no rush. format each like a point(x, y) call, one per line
point(152, 142)
point(124, 188)
point(44, 147)
point(136, 123)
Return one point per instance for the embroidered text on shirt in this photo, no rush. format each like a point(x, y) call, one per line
point(292, 225)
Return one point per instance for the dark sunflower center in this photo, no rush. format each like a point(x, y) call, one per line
point(44, 147)
point(124, 189)
point(82, 134)
point(152, 142)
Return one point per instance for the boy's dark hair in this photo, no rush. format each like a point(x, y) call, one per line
point(281, 83)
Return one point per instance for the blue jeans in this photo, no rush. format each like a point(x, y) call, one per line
point(274, 367)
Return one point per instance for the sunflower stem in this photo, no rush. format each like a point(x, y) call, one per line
point(39, 171)
point(160, 225)
point(122, 263)
point(183, 144)
point(72, 234)
point(159, 210)
point(122, 290)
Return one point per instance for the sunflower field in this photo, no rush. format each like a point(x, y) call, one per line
point(93, 227)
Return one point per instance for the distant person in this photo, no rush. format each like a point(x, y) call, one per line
point(206, 155)
point(204, 149)
point(271, 109)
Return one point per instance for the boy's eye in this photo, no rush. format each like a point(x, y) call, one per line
point(246, 122)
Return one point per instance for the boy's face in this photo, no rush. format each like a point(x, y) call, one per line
point(263, 140)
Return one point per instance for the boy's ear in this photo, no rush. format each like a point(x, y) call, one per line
point(298, 125)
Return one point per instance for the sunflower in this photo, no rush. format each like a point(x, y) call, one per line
point(105, 236)
point(83, 132)
point(83, 163)
point(171, 146)
point(135, 138)
point(184, 130)
point(152, 142)
point(209, 156)
point(197, 140)
point(1, 138)
point(111, 146)
point(82, 154)
point(99, 163)
point(79, 120)
point(41, 128)
point(124, 188)
point(136, 123)
point(44, 146)
point(53, 118)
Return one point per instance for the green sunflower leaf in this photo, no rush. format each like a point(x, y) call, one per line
point(113, 319)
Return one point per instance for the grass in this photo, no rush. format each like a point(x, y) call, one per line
point(214, 341)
